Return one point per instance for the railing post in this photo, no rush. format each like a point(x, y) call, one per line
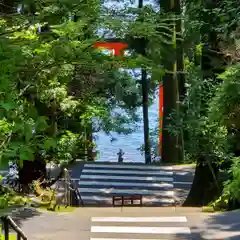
point(7, 221)
point(65, 188)
point(67, 191)
point(18, 236)
point(6, 228)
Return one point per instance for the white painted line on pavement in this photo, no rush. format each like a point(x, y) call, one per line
point(163, 173)
point(127, 191)
point(127, 184)
point(137, 178)
point(139, 219)
point(144, 167)
point(148, 230)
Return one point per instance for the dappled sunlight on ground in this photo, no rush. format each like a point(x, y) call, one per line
point(222, 226)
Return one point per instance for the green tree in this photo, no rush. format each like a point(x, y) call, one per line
point(54, 84)
point(211, 137)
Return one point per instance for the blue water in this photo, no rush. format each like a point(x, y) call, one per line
point(129, 143)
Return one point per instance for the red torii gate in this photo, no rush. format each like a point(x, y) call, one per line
point(118, 48)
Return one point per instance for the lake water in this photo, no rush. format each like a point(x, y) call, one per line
point(129, 143)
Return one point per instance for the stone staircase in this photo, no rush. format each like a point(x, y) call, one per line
point(100, 181)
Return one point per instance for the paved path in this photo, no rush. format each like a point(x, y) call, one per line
point(182, 179)
point(115, 223)
point(221, 226)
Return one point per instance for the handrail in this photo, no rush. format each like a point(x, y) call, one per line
point(8, 221)
point(67, 193)
point(69, 188)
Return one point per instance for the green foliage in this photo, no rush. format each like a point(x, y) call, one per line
point(203, 138)
point(231, 187)
point(9, 198)
point(225, 106)
point(55, 85)
point(4, 201)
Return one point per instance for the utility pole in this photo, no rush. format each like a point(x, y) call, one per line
point(145, 86)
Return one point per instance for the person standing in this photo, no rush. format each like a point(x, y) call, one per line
point(120, 155)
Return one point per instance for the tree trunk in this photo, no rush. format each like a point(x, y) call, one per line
point(170, 93)
point(89, 138)
point(54, 120)
point(145, 89)
point(180, 74)
point(169, 142)
point(180, 51)
point(203, 188)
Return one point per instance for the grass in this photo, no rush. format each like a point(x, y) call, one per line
point(211, 209)
point(8, 202)
point(45, 206)
point(11, 237)
point(208, 209)
point(59, 210)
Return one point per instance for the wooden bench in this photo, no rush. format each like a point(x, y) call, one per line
point(124, 198)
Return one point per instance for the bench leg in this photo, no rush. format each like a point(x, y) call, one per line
point(141, 201)
point(132, 201)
